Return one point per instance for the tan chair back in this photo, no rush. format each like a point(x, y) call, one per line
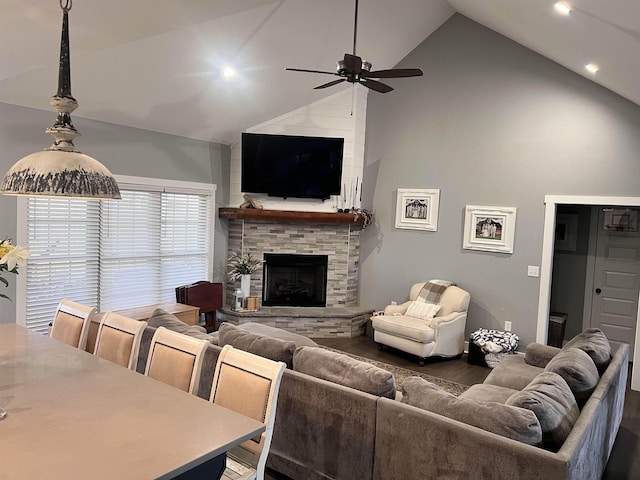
point(176, 359)
point(71, 323)
point(248, 384)
point(118, 339)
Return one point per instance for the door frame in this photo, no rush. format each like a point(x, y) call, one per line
point(548, 237)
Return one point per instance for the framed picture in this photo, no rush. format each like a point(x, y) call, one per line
point(490, 229)
point(417, 209)
point(566, 232)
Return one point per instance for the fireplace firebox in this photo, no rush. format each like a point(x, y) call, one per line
point(294, 280)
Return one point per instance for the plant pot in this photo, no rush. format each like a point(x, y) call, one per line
point(245, 284)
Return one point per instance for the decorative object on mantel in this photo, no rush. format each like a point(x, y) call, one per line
point(363, 214)
point(11, 257)
point(251, 202)
point(61, 170)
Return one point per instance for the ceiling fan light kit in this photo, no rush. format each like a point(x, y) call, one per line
point(61, 170)
point(353, 69)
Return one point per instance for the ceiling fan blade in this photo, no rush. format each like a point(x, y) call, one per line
point(330, 84)
point(394, 73)
point(309, 71)
point(352, 63)
point(377, 86)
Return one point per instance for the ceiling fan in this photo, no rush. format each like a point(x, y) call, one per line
point(353, 69)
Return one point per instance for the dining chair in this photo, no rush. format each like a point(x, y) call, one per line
point(71, 323)
point(118, 339)
point(249, 385)
point(176, 359)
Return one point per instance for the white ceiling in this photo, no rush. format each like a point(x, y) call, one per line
point(155, 64)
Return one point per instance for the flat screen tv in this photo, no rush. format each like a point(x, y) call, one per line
point(291, 166)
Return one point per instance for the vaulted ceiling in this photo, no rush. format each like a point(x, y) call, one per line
point(156, 64)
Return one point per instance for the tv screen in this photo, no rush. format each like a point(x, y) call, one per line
point(291, 166)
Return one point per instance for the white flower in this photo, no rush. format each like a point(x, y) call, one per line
point(17, 256)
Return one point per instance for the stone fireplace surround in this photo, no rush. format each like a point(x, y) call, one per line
point(336, 235)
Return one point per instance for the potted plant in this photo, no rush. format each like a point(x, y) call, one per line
point(240, 268)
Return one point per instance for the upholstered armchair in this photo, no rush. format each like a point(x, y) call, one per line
point(424, 329)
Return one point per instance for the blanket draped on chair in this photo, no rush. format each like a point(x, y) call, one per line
point(433, 290)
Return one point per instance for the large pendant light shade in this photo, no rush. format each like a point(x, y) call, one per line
point(61, 170)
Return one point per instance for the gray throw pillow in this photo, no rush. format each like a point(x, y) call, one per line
point(267, 347)
point(508, 421)
point(549, 397)
point(162, 318)
point(578, 370)
point(594, 342)
point(344, 370)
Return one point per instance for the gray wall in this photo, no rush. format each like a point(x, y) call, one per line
point(489, 123)
point(124, 151)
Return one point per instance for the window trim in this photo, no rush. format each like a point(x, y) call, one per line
point(124, 182)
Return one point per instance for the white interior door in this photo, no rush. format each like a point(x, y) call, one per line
point(616, 282)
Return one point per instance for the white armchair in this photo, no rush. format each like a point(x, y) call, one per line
point(442, 335)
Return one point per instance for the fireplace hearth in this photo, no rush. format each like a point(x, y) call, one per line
point(294, 280)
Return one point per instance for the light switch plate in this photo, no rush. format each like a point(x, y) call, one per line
point(533, 271)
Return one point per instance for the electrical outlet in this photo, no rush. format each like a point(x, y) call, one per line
point(533, 271)
point(507, 326)
point(393, 302)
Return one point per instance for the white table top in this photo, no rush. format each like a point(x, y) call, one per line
point(73, 415)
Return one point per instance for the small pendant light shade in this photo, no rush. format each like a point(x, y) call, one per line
point(61, 170)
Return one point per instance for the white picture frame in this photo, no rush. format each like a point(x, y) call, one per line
point(489, 229)
point(417, 209)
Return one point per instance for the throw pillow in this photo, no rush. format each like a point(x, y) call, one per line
point(425, 311)
point(549, 397)
point(344, 370)
point(162, 318)
point(594, 342)
point(578, 370)
point(511, 422)
point(272, 348)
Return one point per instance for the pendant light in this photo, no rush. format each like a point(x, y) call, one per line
point(61, 170)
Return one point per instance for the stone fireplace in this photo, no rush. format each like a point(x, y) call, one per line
point(271, 235)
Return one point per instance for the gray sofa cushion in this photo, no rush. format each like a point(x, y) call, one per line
point(482, 392)
point(512, 422)
point(578, 370)
point(162, 318)
point(272, 348)
point(594, 342)
point(344, 370)
point(551, 399)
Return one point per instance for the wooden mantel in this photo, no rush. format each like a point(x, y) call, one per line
point(290, 216)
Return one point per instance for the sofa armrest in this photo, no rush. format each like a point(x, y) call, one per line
point(539, 355)
point(397, 309)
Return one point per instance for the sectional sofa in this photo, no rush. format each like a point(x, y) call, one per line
point(338, 418)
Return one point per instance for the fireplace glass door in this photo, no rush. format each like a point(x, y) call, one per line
point(294, 280)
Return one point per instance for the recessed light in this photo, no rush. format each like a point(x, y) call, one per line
point(228, 72)
point(592, 68)
point(563, 8)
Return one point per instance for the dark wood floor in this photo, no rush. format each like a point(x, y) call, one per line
point(624, 462)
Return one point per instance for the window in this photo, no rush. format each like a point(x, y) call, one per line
point(115, 254)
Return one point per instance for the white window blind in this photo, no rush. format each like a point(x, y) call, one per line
point(115, 254)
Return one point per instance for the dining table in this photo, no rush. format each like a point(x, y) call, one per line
point(71, 414)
